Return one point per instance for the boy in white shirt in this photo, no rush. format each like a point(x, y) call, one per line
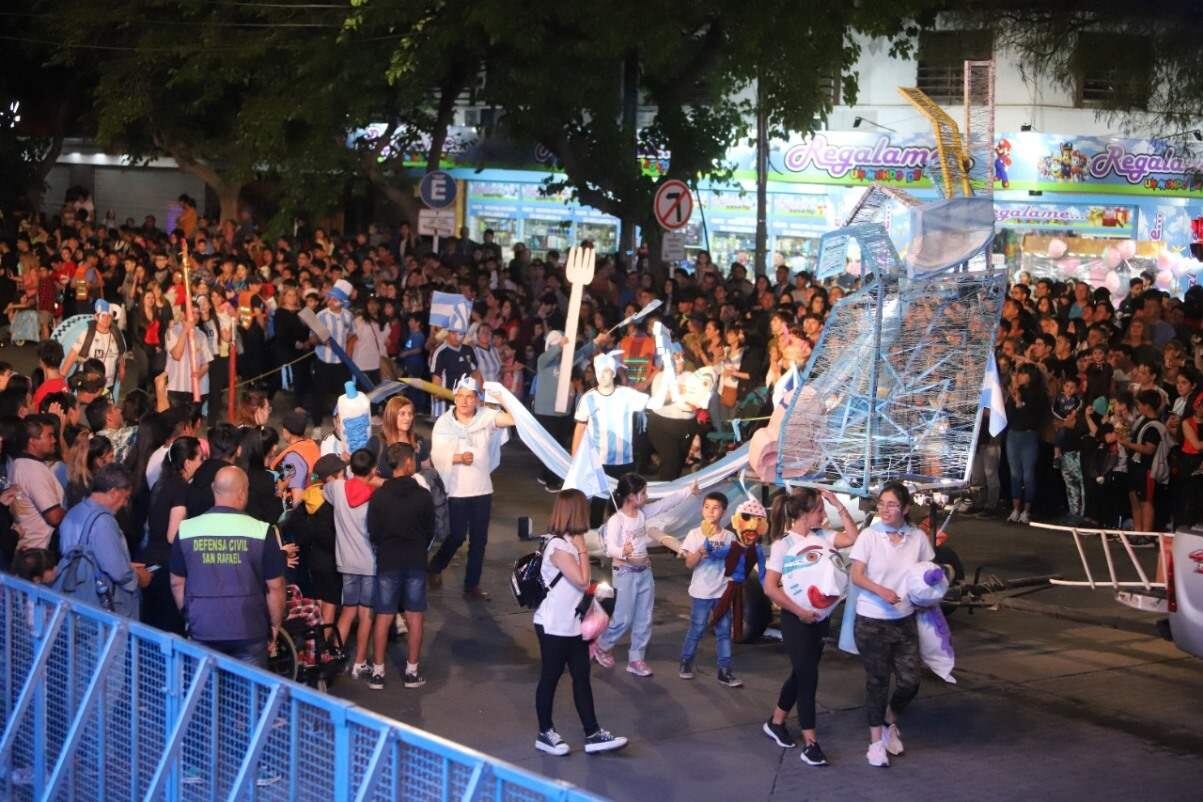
point(705, 551)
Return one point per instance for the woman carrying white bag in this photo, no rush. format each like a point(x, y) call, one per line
point(806, 578)
point(886, 629)
point(559, 625)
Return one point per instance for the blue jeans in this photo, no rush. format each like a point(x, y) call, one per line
point(470, 518)
point(1022, 450)
point(699, 617)
point(634, 597)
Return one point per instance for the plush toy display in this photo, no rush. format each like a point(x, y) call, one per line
point(925, 586)
point(750, 523)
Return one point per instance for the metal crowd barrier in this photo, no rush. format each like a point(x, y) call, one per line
point(97, 707)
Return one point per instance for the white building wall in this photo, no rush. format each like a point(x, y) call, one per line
point(1046, 105)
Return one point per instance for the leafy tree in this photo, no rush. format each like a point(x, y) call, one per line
point(40, 104)
point(558, 70)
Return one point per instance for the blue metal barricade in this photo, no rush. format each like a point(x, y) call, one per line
point(95, 706)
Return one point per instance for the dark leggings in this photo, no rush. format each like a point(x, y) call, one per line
point(559, 651)
point(804, 645)
point(888, 646)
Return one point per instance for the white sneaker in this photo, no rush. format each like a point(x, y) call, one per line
point(891, 738)
point(964, 505)
point(1024, 517)
point(551, 743)
point(1013, 518)
point(877, 754)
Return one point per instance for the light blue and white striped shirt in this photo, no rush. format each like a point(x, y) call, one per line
point(341, 325)
point(611, 422)
point(488, 362)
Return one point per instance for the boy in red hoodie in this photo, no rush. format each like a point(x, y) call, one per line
point(353, 553)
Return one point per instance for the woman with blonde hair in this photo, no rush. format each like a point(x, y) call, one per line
point(565, 574)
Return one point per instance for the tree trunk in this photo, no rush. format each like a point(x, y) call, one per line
point(227, 196)
point(37, 185)
point(403, 198)
point(653, 235)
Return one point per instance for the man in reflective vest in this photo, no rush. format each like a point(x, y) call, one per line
point(227, 574)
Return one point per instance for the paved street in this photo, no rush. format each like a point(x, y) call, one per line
point(1043, 708)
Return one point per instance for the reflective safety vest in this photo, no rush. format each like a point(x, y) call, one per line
point(306, 449)
point(225, 592)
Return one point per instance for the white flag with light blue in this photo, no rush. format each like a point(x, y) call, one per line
point(451, 311)
point(993, 398)
point(585, 471)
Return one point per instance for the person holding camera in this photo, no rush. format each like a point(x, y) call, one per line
point(565, 574)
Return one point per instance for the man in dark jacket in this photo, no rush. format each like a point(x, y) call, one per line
point(400, 523)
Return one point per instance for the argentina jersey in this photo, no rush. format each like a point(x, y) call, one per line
point(341, 325)
point(611, 422)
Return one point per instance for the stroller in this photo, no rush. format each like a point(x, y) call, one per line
point(305, 649)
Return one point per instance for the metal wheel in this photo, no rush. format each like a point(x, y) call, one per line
point(284, 661)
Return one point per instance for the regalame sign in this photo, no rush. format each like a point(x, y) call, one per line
point(1022, 161)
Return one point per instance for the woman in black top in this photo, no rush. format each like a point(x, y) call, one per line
point(79, 481)
point(168, 508)
point(1027, 411)
point(262, 500)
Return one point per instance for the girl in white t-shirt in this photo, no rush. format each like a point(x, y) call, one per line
point(565, 573)
point(885, 629)
point(626, 541)
point(800, 545)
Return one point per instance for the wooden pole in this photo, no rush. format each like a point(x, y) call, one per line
point(232, 381)
point(188, 326)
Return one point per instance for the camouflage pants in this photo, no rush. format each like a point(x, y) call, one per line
point(888, 647)
point(1075, 489)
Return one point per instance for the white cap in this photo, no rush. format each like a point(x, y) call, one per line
point(467, 384)
point(553, 339)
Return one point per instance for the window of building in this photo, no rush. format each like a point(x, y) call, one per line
point(1112, 71)
point(941, 62)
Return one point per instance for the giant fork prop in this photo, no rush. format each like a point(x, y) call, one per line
point(579, 272)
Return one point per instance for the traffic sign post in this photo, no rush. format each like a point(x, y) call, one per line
point(437, 189)
point(673, 205)
point(672, 247)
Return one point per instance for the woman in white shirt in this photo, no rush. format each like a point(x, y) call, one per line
point(565, 573)
point(801, 543)
point(885, 629)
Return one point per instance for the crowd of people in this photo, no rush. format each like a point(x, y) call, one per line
point(119, 446)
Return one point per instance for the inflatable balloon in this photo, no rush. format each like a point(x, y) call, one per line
point(1112, 282)
point(1166, 261)
point(814, 577)
point(1165, 279)
point(1069, 266)
point(1111, 257)
point(1127, 249)
point(1098, 272)
point(1057, 248)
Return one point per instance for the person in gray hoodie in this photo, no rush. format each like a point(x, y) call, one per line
point(353, 553)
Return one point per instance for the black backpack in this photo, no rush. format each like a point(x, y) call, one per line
point(527, 580)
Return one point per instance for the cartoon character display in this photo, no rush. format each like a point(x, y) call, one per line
point(750, 523)
point(1065, 162)
point(816, 578)
point(925, 585)
point(1002, 160)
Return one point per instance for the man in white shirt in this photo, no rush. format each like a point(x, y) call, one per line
point(329, 372)
point(37, 507)
point(461, 451)
point(100, 340)
point(181, 367)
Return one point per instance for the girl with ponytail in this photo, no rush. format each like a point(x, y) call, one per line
point(626, 541)
point(804, 553)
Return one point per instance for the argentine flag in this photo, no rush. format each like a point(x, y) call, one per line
point(993, 398)
point(585, 471)
point(451, 311)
